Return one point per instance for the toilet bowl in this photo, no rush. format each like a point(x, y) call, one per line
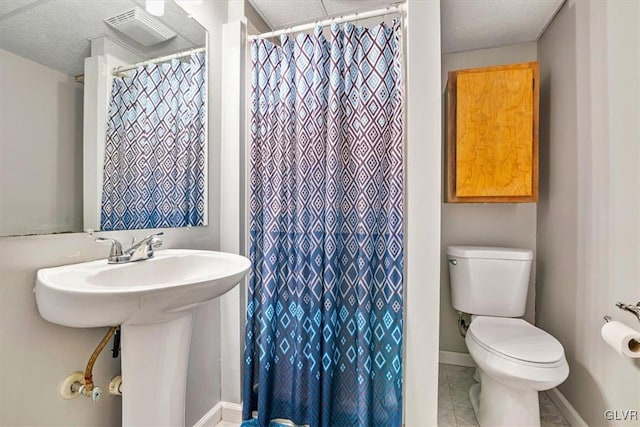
point(515, 360)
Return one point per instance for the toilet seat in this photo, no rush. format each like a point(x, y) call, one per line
point(516, 341)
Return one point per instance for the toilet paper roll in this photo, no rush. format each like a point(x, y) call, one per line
point(622, 338)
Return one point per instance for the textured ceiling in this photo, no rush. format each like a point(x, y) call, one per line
point(466, 24)
point(283, 13)
point(57, 33)
point(477, 24)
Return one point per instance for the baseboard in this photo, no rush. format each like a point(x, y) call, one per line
point(228, 411)
point(222, 411)
point(232, 412)
point(212, 417)
point(568, 411)
point(458, 359)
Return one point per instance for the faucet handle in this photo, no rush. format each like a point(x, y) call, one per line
point(116, 247)
point(152, 240)
point(155, 242)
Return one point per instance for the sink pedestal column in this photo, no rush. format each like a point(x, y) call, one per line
point(155, 358)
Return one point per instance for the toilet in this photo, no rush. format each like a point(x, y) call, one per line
point(515, 360)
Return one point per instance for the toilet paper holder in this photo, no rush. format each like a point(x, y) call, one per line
point(633, 309)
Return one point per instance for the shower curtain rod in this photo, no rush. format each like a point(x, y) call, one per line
point(117, 70)
point(394, 8)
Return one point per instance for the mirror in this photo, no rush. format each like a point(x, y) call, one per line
point(103, 120)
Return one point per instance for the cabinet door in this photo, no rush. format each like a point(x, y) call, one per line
point(495, 136)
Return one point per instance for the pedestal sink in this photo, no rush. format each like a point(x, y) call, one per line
point(153, 301)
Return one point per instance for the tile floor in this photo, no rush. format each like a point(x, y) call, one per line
point(454, 406)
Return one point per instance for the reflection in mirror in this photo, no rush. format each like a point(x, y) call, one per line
point(103, 121)
point(154, 153)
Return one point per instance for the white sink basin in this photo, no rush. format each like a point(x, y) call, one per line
point(93, 294)
point(153, 302)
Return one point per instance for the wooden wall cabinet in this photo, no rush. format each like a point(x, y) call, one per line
point(491, 152)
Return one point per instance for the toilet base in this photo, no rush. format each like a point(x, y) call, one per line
point(496, 404)
point(474, 397)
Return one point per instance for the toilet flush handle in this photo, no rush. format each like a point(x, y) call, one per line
point(453, 261)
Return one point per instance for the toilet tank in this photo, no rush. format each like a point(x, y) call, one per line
point(489, 281)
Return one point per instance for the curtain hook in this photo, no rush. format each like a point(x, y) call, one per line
point(333, 21)
point(386, 14)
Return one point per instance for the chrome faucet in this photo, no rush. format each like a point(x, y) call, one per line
point(142, 250)
point(633, 309)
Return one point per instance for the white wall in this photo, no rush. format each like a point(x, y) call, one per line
point(589, 209)
point(232, 204)
point(255, 23)
point(422, 213)
point(35, 356)
point(40, 148)
point(485, 224)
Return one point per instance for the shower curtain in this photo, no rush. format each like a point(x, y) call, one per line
point(154, 157)
point(324, 316)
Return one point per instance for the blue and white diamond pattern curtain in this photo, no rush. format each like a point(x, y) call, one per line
point(154, 156)
point(324, 317)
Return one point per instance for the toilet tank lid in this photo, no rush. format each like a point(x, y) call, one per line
point(489, 252)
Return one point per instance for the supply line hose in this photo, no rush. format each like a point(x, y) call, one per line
point(88, 388)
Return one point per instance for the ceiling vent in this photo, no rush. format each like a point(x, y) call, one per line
point(139, 25)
